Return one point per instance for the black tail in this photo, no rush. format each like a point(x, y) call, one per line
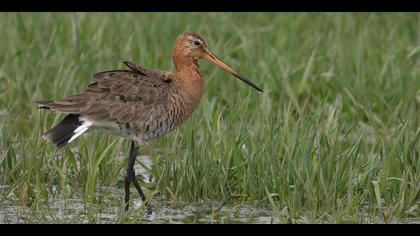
point(62, 133)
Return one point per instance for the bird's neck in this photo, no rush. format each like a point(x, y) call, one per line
point(190, 82)
point(187, 72)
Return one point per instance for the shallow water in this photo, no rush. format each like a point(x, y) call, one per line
point(110, 210)
point(108, 207)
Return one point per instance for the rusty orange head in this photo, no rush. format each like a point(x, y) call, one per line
point(194, 46)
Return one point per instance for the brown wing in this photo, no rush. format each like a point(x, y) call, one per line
point(119, 95)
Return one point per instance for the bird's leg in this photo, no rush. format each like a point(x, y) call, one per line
point(131, 177)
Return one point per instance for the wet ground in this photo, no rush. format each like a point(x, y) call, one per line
point(108, 208)
point(61, 210)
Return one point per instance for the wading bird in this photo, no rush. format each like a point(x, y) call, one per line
point(139, 104)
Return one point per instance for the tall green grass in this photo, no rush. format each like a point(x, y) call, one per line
point(333, 138)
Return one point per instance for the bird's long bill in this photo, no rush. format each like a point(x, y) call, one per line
point(212, 58)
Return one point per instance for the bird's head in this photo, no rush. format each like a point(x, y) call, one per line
point(193, 46)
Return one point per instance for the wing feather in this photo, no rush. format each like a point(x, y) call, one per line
point(120, 95)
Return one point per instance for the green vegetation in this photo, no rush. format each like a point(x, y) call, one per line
point(333, 138)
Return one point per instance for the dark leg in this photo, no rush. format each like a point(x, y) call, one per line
point(131, 178)
point(128, 178)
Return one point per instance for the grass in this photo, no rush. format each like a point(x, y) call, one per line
point(333, 138)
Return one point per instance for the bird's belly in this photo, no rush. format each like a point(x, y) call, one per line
point(140, 132)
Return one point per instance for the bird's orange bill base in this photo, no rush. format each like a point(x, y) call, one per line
point(212, 58)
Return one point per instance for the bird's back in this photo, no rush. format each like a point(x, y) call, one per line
point(140, 104)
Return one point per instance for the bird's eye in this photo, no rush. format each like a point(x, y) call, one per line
point(196, 42)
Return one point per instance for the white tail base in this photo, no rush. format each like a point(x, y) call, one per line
point(86, 124)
